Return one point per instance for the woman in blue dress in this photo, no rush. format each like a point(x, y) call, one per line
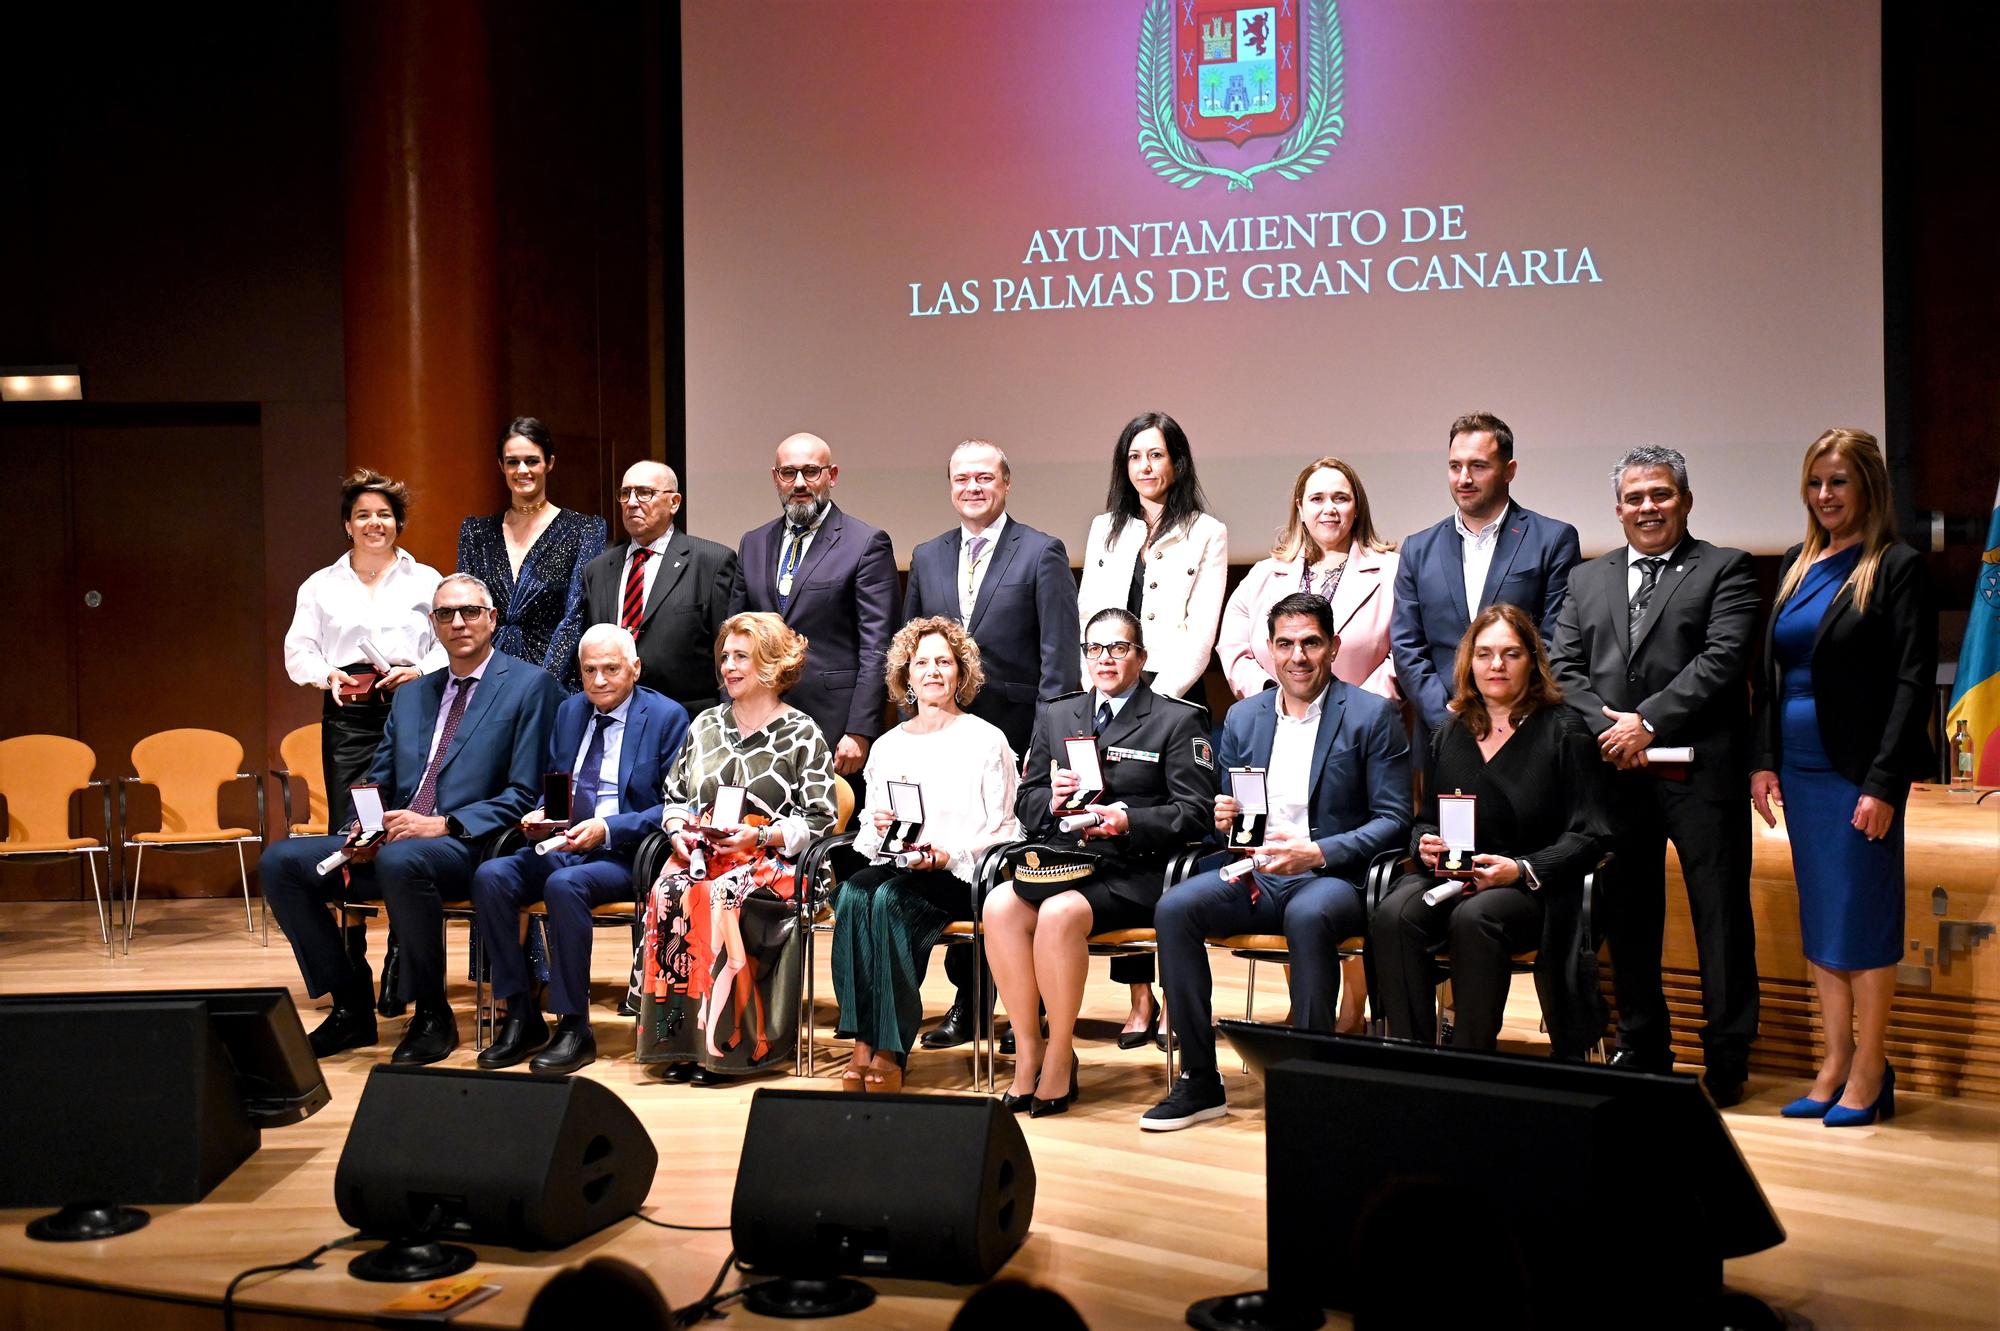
point(1850, 664)
point(531, 557)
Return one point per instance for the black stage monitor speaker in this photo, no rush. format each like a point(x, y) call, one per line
point(490, 1157)
point(1596, 1196)
point(925, 1187)
point(147, 1097)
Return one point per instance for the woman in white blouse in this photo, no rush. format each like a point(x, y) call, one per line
point(888, 916)
point(1160, 554)
point(368, 609)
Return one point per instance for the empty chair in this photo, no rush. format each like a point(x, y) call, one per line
point(189, 768)
point(300, 752)
point(38, 774)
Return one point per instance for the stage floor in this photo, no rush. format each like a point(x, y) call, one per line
point(1891, 1226)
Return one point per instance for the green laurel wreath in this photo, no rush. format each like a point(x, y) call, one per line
point(1180, 162)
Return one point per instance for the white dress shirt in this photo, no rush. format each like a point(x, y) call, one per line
point(607, 770)
point(1476, 547)
point(1633, 575)
point(652, 570)
point(971, 572)
point(1288, 780)
point(336, 610)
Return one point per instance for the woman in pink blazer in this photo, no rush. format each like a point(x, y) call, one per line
point(1329, 547)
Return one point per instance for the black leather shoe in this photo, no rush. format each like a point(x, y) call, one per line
point(344, 1028)
point(1040, 1108)
point(391, 1003)
point(1725, 1084)
point(521, 1034)
point(1017, 1104)
point(1135, 1039)
point(1007, 1042)
point(433, 1034)
point(573, 1047)
point(954, 1030)
point(679, 1073)
point(1633, 1060)
point(703, 1075)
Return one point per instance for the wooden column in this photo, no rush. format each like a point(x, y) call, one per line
point(422, 350)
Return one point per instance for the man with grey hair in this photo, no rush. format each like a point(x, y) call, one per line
point(459, 763)
point(1652, 646)
point(614, 742)
point(1012, 588)
point(672, 591)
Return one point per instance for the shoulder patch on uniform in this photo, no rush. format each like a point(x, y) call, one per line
point(1185, 702)
point(1204, 756)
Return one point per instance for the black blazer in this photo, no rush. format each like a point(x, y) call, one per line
point(699, 585)
point(1874, 676)
point(1688, 673)
point(1024, 620)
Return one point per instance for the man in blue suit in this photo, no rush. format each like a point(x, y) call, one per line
point(1490, 549)
point(832, 578)
point(1336, 767)
point(1012, 588)
point(461, 761)
point(616, 742)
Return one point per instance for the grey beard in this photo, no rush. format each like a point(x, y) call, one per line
point(807, 513)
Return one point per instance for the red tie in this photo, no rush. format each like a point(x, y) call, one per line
point(425, 802)
point(635, 591)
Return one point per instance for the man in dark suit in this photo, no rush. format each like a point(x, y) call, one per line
point(1653, 647)
point(1336, 766)
point(832, 578)
point(461, 760)
point(1012, 588)
point(1490, 549)
point(616, 741)
point(1010, 585)
point(670, 590)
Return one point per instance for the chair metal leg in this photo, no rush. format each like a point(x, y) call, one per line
point(802, 1053)
point(132, 898)
point(1250, 999)
point(97, 895)
point(243, 873)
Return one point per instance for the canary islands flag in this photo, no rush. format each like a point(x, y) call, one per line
point(1976, 698)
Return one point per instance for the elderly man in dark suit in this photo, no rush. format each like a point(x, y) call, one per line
point(616, 741)
point(670, 590)
point(1336, 766)
point(1012, 588)
point(1652, 647)
point(461, 760)
point(832, 578)
point(1490, 549)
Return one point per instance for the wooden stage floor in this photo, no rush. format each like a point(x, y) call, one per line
point(1891, 1226)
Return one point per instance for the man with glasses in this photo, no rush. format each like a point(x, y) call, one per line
point(461, 760)
point(832, 578)
point(1012, 588)
point(670, 590)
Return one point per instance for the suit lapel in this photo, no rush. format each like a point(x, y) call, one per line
point(996, 572)
point(1617, 605)
point(1448, 567)
point(1672, 575)
point(1332, 712)
point(760, 560)
point(489, 684)
point(1358, 586)
point(823, 541)
point(940, 573)
point(1513, 534)
point(673, 566)
point(638, 717)
point(1263, 729)
point(1127, 720)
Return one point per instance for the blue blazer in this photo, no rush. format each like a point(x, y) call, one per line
point(492, 772)
point(1359, 805)
point(1024, 620)
point(1531, 562)
point(655, 727)
point(844, 602)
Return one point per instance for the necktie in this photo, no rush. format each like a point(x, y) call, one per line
point(635, 591)
point(1103, 717)
point(973, 549)
point(788, 563)
point(583, 791)
point(425, 804)
point(1649, 577)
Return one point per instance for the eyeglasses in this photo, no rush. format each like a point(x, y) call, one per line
point(808, 474)
point(1117, 651)
point(525, 464)
point(645, 494)
point(444, 614)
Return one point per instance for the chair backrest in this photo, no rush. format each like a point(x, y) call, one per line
point(189, 768)
point(843, 804)
point(38, 774)
point(301, 752)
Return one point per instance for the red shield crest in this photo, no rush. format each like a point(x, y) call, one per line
point(1236, 69)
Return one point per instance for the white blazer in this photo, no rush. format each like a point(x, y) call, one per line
point(1186, 571)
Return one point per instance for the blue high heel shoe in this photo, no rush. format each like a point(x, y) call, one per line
point(1807, 1107)
point(1884, 1107)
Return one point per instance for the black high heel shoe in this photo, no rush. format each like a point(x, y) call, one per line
point(1040, 1108)
point(1143, 1036)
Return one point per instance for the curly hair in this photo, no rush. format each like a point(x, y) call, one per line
point(368, 481)
point(777, 652)
point(971, 675)
point(1542, 690)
